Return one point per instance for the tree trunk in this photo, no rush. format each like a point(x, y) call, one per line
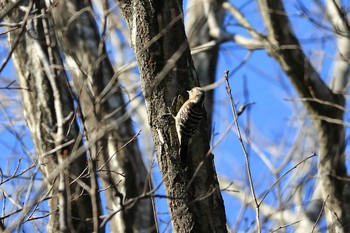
point(324, 108)
point(50, 115)
point(166, 70)
point(119, 161)
point(49, 110)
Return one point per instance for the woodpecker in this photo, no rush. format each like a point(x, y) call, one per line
point(188, 117)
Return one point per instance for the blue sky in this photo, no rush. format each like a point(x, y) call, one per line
point(272, 118)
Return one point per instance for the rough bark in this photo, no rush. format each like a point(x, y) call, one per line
point(326, 116)
point(166, 70)
point(104, 113)
point(50, 116)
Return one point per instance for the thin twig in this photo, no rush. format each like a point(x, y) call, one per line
point(233, 108)
point(20, 34)
point(294, 167)
point(323, 102)
point(237, 68)
point(285, 226)
point(222, 137)
point(319, 216)
point(127, 143)
point(8, 87)
point(150, 185)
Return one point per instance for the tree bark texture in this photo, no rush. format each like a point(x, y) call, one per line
point(119, 160)
point(50, 115)
point(166, 71)
point(324, 108)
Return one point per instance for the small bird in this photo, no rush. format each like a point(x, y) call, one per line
point(188, 117)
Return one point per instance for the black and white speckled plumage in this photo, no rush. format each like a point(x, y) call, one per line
point(190, 114)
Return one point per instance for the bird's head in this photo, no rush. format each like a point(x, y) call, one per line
point(196, 94)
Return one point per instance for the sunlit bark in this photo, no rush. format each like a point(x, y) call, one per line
point(51, 118)
point(161, 48)
point(326, 116)
point(119, 161)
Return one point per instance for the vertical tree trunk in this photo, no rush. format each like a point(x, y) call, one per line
point(166, 69)
point(326, 116)
point(50, 115)
point(119, 161)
